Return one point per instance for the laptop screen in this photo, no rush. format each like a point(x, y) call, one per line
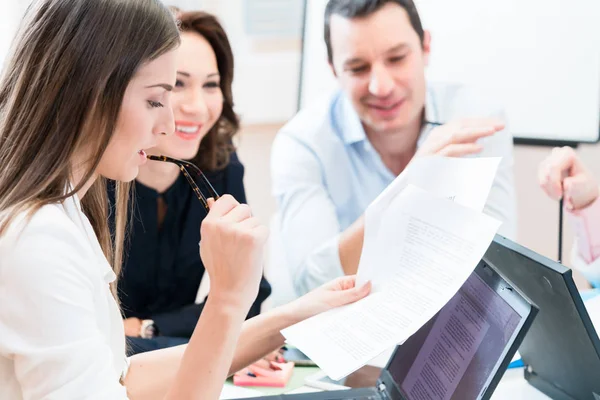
point(455, 355)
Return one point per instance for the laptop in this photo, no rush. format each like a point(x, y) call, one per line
point(561, 352)
point(461, 353)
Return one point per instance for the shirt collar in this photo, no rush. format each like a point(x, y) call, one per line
point(350, 128)
point(349, 125)
point(72, 207)
point(431, 111)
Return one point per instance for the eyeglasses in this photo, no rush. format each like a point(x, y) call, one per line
point(432, 123)
point(182, 166)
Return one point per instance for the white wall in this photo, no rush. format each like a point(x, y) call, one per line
point(267, 67)
point(11, 13)
point(317, 79)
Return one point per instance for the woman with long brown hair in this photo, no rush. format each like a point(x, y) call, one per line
point(85, 92)
point(162, 271)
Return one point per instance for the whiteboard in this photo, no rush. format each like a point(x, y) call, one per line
point(539, 58)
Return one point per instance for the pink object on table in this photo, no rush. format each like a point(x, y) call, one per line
point(277, 376)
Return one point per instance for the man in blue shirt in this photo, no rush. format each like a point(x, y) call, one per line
point(332, 159)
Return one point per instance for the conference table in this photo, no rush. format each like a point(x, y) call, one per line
point(513, 385)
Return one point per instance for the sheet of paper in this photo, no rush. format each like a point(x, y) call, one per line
point(235, 392)
point(429, 246)
point(466, 181)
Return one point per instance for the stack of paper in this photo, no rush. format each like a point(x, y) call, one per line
point(424, 236)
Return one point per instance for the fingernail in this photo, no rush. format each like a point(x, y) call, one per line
point(275, 367)
point(569, 204)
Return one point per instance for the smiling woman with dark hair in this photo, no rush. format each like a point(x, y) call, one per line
point(162, 272)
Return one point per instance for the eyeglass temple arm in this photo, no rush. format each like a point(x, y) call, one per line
point(213, 193)
point(187, 176)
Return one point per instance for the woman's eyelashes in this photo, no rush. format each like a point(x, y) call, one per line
point(155, 104)
point(211, 85)
point(207, 85)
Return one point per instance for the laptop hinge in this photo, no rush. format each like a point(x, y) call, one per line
point(382, 389)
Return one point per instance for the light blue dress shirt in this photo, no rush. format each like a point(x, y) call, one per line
point(325, 173)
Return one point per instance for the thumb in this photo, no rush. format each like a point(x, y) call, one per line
point(358, 292)
point(577, 189)
point(570, 186)
point(365, 289)
point(575, 186)
point(210, 202)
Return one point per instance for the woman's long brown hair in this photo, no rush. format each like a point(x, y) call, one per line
point(60, 97)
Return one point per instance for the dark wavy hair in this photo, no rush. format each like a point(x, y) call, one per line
point(216, 147)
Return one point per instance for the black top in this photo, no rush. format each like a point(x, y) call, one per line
point(162, 267)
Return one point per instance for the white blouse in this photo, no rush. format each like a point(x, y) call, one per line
point(61, 331)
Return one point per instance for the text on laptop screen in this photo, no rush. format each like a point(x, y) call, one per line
point(456, 352)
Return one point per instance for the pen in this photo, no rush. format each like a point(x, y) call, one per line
point(560, 229)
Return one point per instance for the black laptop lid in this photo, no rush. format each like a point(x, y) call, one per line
point(462, 352)
point(562, 348)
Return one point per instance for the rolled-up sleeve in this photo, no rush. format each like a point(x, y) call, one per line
point(309, 226)
point(585, 255)
point(48, 322)
point(590, 270)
